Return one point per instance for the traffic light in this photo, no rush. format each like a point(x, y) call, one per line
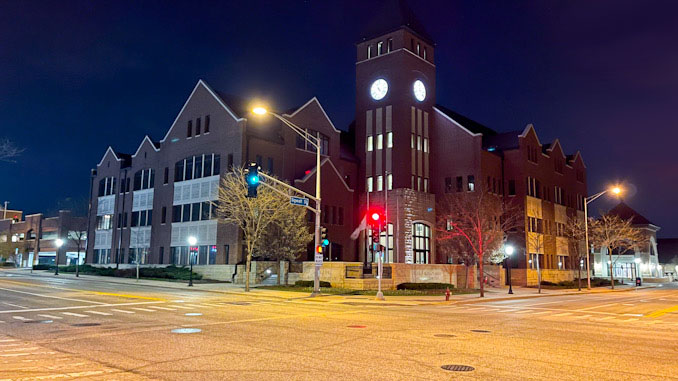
point(375, 235)
point(252, 179)
point(375, 218)
point(319, 249)
point(323, 237)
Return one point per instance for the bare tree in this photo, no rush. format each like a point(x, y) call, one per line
point(479, 219)
point(575, 232)
point(8, 151)
point(8, 250)
point(77, 234)
point(535, 244)
point(287, 237)
point(254, 216)
point(617, 235)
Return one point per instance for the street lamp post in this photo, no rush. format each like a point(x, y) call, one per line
point(59, 242)
point(192, 241)
point(617, 191)
point(315, 142)
point(509, 251)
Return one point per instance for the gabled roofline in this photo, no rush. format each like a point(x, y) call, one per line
point(209, 89)
point(457, 123)
point(527, 129)
point(327, 159)
point(578, 154)
point(106, 153)
point(142, 143)
point(553, 145)
point(321, 109)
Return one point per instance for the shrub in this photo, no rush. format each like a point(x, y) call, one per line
point(309, 283)
point(42, 266)
point(424, 286)
point(7, 264)
point(169, 272)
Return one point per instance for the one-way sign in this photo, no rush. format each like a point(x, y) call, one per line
point(303, 201)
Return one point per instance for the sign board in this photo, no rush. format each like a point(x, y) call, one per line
point(303, 201)
point(318, 259)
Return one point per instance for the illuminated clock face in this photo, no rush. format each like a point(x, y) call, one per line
point(379, 89)
point(419, 90)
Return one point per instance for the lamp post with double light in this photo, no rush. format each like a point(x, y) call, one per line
point(59, 242)
point(314, 141)
point(192, 241)
point(508, 250)
point(616, 191)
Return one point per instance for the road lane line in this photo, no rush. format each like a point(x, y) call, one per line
point(184, 308)
point(20, 318)
point(126, 295)
point(631, 319)
point(163, 308)
point(600, 306)
point(606, 318)
point(143, 309)
point(15, 305)
point(74, 314)
point(51, 317)
point(122, 311)
point(523, 312)
point(99, 313)
point(662, 312)
point(77, 307)
point(193, 305)
point(541, 312)
point(581, 317)
point(563, 314)
point(50, 296)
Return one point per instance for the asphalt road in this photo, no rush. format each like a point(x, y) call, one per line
point(58, 328)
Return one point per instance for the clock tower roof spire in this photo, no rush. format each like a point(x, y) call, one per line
point(393, 15)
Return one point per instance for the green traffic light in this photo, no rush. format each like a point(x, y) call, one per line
point(326, 242)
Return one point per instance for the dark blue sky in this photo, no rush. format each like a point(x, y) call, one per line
point(77, 76)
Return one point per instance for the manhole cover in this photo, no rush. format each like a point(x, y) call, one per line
point(85, 325)
point(444, 335)
point(193, 314)
point(356, 326)
point(458, 368)
point(186, 330)
point(480, 330)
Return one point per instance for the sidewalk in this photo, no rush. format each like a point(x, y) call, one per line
point(491, 294)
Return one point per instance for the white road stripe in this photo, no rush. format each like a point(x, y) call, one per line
point(631, 319)
point(541, 312)
point(607, 318)
point(15, 305)
point(581, 316)
point(20, 318)
point(563, 314)
point(511, 310)
point(600, 306)
point(19, 349)
point(123, 311)
point(523, 312)
point(163, 308)
point(74, 314)
point(77, 307)
point(182, 307)
point(50, 296)
point(193, 305)
point(51, 317)
point(99, 313)
point(143, 309)
point(6, 340)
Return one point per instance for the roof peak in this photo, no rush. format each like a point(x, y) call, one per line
point(393, 15)
point(625, 212)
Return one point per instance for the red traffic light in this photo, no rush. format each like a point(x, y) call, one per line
point(319, 249)
point(375, 217)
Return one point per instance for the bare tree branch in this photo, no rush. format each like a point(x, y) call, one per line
point(8, 151)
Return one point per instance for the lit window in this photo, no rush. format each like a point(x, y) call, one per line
point(380, 46)
point(380, 141)
point(412, 141)
point(418, 143)
point(419, 183)
point(389, 181)
point(422, 243)
point(425, 185)
point(370, 143)
point(418, 49)
point(389, 45)
point(424, 52)
point(369, 184)
point(425, 144)
point(369, 51)
point(471, 183)
point(389, 139)
point(380, 183)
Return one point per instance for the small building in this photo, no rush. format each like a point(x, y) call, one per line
point(667, 249)
point(643, 262)
point(38, 234)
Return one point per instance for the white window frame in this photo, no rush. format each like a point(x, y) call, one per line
point(380, 141)
point(389, 181)
point(389, 139)
point(370, 143)
point(380, 183)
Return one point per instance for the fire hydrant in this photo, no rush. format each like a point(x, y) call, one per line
point(447, 295)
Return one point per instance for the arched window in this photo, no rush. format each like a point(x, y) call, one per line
point(422, 243)
point(384, 240)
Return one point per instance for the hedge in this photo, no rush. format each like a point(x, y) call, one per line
point(424, 286)
point(309, 283)
point(169, 272)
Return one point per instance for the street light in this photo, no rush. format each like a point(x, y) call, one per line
point(509, 251)
point(617, 190)
point(315, 142)
point(192, 241)
point(59, 242)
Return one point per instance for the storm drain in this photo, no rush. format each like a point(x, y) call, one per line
point(85, 325)
point(444, 335)
point(186, 330)
point(480, 331)
point(458, 368)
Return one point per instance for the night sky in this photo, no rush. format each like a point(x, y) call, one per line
point(78, 76)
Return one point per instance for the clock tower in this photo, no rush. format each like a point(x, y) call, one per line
point(395, 95)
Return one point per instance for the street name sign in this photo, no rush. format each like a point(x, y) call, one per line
point(303, 201)
point(318, 259)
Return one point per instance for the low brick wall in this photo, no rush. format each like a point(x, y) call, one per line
point(335, 273)
point(216, 272)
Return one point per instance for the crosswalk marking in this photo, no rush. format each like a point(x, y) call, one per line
point(182, 307)
point(20, 318)
point(541, 312)
point(193, 305)
point(163, 308)
point(123, 311)
point(607, 318)
point(581, 316)
point(99, 313)
point(143, 309)
point(51, 317)
point(74, 314)
point(523, 312)
point(563, 314)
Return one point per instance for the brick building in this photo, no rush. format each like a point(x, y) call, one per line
point(401, 153)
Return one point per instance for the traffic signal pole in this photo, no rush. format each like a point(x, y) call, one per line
point(316, 272)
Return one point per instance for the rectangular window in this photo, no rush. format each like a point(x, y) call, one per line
point(176, 213)
point(163, 216)
point(389, 45)
point(369, 51)
point(341, 216)
point(166, 177)
point(195, 211)
point(197, 127)
point(389, 140)
point(389, 181)
point(419, 184)
point(380, 141)
point(270, 165)
point(189, 129)
point(380, 183)
point(380, 47)
point(471, 183)
point(425, 185)
point(207, 124)
point(418, 143)
point(188, 169)
point(425, 144)
point(424, 52)
point(418, 49)
point(198, 167)
point(369, 184)
point(334, 215)
point(512, 188)
point(460, 183)
point(370, 143)
point(230, 161)
point(186, 213)
point(412, 141)
point(448, 185)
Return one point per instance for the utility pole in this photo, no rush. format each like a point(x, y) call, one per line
point(4, 215)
